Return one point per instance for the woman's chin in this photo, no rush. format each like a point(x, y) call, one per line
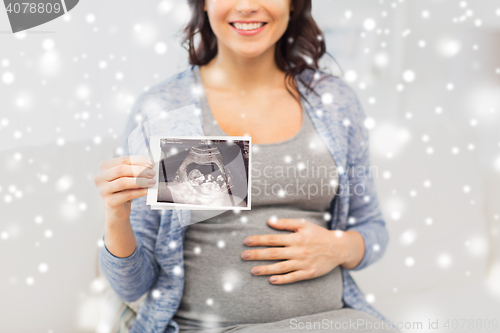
point(248, 50)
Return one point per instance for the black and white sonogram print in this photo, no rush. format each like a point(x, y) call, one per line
point(205, 172)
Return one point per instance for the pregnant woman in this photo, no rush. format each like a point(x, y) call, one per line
point(283, 265)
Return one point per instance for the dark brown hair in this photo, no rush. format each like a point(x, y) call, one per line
point(300, 47)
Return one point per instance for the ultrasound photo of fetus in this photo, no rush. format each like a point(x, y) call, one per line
point(204, 172)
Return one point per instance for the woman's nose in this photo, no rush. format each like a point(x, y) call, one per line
point(247, 7)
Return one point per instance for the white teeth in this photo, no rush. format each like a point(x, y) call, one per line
point(247, 26)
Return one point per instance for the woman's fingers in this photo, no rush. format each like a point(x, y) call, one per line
point(270, 240)
point(273, 253)
point(123, 179)
point(292, 277)
point(119, 198)
point(295, 270)
point(126, 160)
point(277, 268)
point(122, 174)
point(126, 183)
point(127, 170)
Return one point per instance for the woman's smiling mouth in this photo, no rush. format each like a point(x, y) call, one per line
point(247, 28)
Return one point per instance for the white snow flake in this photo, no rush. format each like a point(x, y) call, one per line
point(409, 261)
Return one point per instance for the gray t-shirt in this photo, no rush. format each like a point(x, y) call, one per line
point(295, 178)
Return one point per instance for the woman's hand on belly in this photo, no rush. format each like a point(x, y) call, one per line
point(311, 251)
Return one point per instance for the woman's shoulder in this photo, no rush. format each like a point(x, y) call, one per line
point(331, 89)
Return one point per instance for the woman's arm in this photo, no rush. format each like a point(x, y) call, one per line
point(354, 249)
point(364, 216)
point(119, 238)
point(127, 258)
point(132, 276)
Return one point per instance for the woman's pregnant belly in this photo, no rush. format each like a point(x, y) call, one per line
point(219, 288)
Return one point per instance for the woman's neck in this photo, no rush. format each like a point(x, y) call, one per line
point(228, 71)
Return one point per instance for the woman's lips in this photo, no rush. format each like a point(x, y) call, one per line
point(248, 32)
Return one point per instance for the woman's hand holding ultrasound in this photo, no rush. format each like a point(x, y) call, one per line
point(120, 181)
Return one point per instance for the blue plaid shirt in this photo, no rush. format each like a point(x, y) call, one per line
point(157, 263)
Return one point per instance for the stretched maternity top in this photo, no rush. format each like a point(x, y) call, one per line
point(295, 178)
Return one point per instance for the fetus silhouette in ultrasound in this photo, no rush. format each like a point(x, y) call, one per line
point(201, 175)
